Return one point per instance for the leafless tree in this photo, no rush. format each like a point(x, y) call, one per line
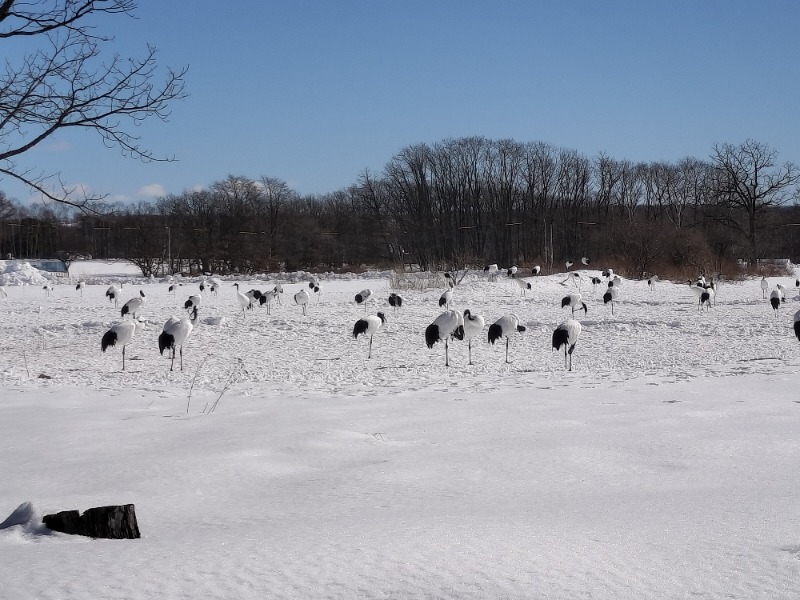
point(747, 178)
point(64, 77)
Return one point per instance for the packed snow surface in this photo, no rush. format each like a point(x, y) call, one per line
point(282, 463)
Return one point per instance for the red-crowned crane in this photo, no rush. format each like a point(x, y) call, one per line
point(369, 325)
point(651, 283)
point(584, 261)
point(512, 271)
point(523, 285)
point(782, 290)
point(797, 324)
point(595, 282)
point(278, 293)
point(47, 287)
point(504, 327)
point(566, 335)
point(113, 293)
point(301, 298)
point(315, 286)
point(449, 324)
point(473, 325)
point(569, 264)
point(575, 302)
point(243, 299)
point(611, 295)
point(775, 300)
point(266, 298)
point(80, 286)
point(575, 277)
point(362, 297)
point(764, 287)
point(193, 302)
point(395, 301)
point(174, 334)
point(491, 270)
point(133, 305)
point(445, 299)
point(120, 334)
point(536, 270)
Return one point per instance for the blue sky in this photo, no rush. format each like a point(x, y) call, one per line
point(315, 92)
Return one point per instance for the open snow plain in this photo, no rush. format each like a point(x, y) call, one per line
point(664, 466)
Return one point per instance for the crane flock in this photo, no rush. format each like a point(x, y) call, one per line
point(448, 326)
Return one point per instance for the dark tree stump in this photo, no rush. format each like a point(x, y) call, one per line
point(114, 522)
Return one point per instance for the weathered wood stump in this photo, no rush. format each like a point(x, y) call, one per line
point(114, 522)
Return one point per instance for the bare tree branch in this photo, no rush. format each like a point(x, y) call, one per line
point(69, 81)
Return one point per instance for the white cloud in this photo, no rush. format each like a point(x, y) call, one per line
point(153, 190)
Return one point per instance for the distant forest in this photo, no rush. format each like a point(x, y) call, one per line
point(459, 203)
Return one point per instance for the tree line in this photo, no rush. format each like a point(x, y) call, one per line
point(456, 203)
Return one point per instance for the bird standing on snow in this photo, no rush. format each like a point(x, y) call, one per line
point(764, 287)
point(536, 270)
point(782, 290)
point(512, 272)
point(301, 298)
point(113, 293)
point(278, 292)
point(47, 288)
point(595, 282)
point(575, 277)
point(611, 295)
point(133, 305)
point(445, 299)
point(266, 298)
point(651, 283)
point(524, 285)
point(797, 324)
point(120, 334)
point(449, 324)
point(473, 325)
point(369, 325)
point(492, 271)
point(775, 300)
point(175, 333)
point(80, 286)
point(566, 335)
point(193, 302)
point(243, 299)
point(504, 327)
point(362, 297)
point(569, 264)
point(395, 301)
point(575, 302)
point(315, 286)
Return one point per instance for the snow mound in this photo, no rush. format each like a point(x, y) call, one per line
point(26, 519)
point(20, 273)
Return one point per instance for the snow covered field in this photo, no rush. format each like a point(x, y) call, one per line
point(663, 466)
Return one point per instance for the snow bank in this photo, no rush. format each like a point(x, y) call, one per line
point(13, 272)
